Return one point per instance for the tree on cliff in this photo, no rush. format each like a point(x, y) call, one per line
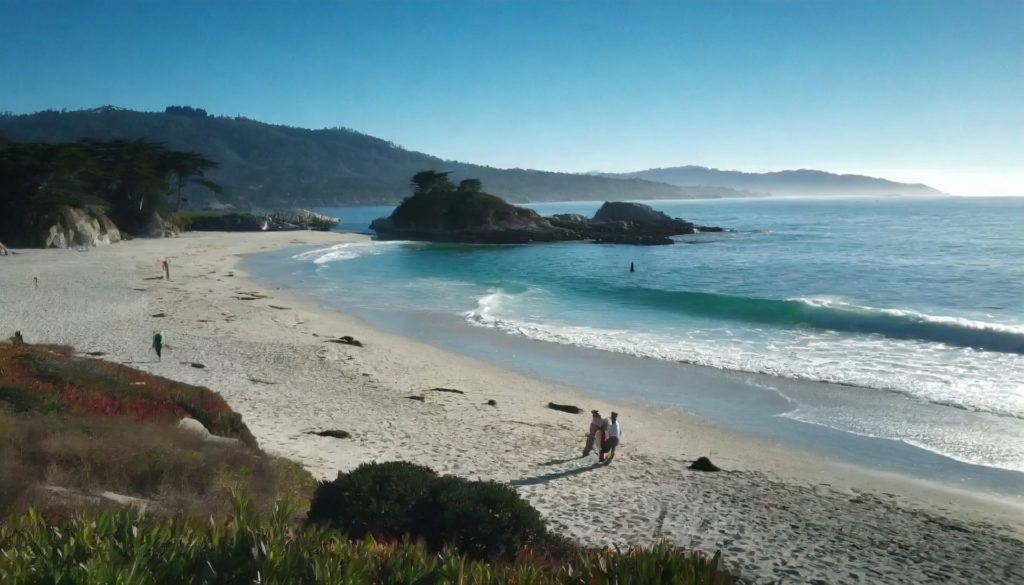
point(189, 167)
point(130, 178)
point(430, 182)
point(437, 203)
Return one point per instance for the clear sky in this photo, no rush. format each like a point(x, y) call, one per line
point(920, 90)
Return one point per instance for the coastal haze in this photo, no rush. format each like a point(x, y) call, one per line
point(813, 272)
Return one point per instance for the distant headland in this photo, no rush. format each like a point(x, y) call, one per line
point(276, 167)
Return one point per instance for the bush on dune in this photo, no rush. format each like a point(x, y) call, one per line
point(483, 519)
point(375, 499)
point(71, 428)
point(395, 499)
point(37, 378)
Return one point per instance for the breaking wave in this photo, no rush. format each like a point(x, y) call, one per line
point(348, 251)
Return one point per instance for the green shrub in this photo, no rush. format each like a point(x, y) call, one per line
point(395, 499)
point(375, 499)
point(482, 519)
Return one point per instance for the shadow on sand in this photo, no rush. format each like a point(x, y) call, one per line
point(547, 477)
point(561, 461)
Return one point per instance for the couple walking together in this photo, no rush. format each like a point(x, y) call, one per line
point(605, 433)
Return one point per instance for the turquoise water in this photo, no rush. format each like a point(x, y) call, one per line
point(919, 301)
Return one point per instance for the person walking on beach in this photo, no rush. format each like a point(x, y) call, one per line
point(35, 279)
point(631, 267)
point(166, 263)
point(158, 344)
point(612, 433)
point(596, 432)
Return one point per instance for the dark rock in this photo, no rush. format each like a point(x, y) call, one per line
point(346, 340)
point(197, 365)
point(335, 434)
point(631, 213)
point(452, 390)
point(492, 402)
point(420, 398)
point(158, 315)
point(565, 408)
point(455, 216)
point(708, 228)
point(704, 464)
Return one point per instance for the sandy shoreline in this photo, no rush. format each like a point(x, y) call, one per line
point(780, 513)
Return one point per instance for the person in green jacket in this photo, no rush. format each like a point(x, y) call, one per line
point(158, 343)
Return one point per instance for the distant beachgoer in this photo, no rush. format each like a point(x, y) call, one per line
point(612, 433)
point(631, 267)
point(166, 263)
point(158, 343)
point(35, 279)
point(595, 433)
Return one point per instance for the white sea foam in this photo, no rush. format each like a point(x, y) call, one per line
point(960, 377)
point(348, 251)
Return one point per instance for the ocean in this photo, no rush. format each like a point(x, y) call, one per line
point(883, 331)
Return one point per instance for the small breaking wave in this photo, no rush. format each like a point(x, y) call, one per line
point(348, 251)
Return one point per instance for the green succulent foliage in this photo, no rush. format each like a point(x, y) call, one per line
point(126, 548)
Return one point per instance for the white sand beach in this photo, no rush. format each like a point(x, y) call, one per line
point(775, 513)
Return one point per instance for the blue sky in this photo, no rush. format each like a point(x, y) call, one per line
point(927, 91)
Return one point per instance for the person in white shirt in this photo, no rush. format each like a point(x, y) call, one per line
point(612, 433)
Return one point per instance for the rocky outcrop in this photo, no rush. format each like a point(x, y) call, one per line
point(300, 219)
point(157, 227)
point(485, 219)
point(70, 227)
point(254, 221)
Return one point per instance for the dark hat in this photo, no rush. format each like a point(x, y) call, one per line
point(615, 414)
point(594, 412)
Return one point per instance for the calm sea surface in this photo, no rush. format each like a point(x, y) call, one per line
point(914, 306)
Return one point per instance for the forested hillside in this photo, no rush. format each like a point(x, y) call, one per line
point(264, 165)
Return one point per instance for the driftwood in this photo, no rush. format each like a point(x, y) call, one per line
point(565, 408)
point(346, 340)
point(334, 434)
point(452, 390)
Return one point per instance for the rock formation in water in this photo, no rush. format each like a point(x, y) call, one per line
point(440, 212)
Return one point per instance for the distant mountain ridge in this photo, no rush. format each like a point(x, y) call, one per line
point(272, 166)
point(795, 182)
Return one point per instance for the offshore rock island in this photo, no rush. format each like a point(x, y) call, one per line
point(440, 211)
